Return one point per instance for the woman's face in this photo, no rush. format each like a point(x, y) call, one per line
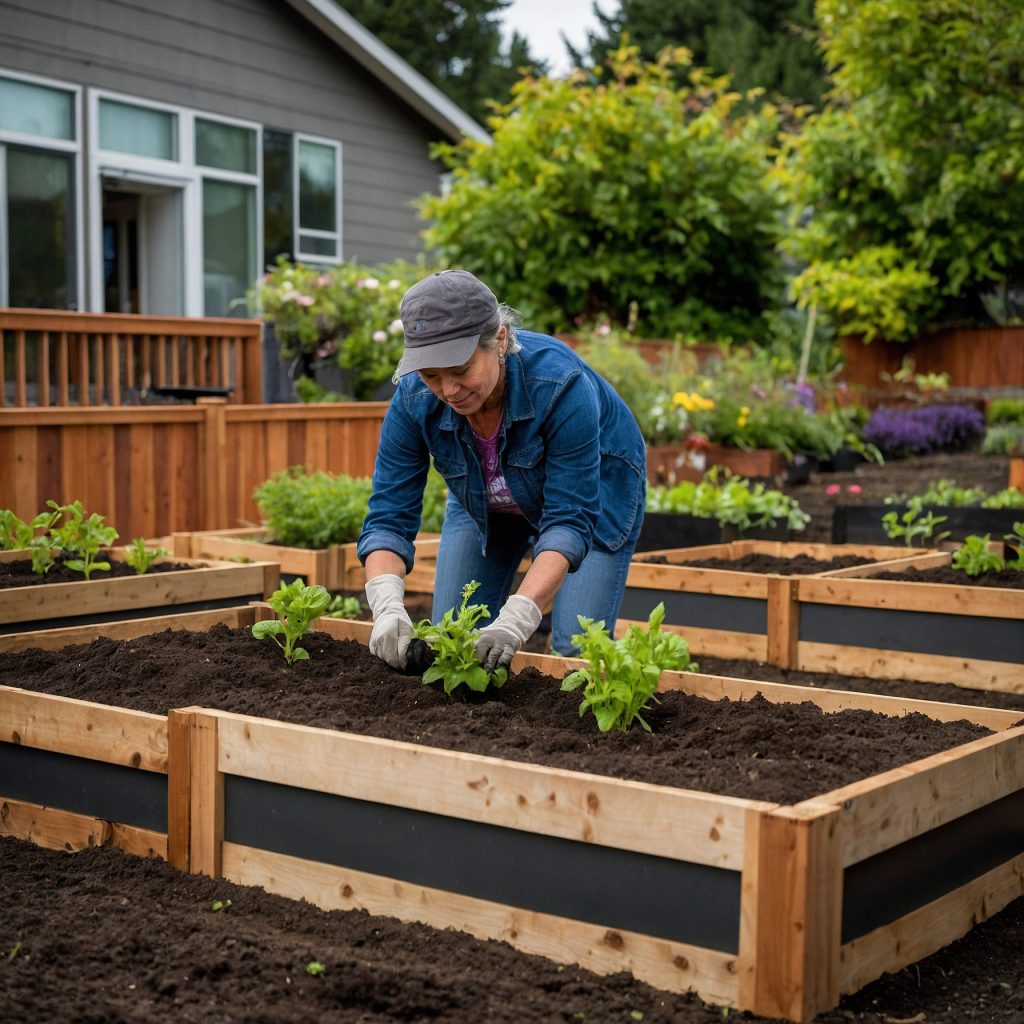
point(467, 387)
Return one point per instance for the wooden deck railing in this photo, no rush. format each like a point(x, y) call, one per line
point(156, 469)
point(60, 358)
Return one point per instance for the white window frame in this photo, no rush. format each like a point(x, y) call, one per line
point(183, 173)
point(45, 143)
point(297, 229)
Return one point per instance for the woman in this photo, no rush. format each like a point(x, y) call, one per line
point(536, 451)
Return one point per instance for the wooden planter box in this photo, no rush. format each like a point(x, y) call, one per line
point(205, 585)
point(934, 632)
point(862, 524)
point(335, 567)
point(663, 530)
point(735, 614)
point(770, 908)
point(674, 463)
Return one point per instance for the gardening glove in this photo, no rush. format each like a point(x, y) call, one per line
point(392, 627)
point(500, 640)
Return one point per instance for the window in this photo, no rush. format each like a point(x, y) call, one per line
point(229, 246)
point(39, 259)
point(143, 131)
point(318, 200)
point(230, 147)
point(278, 204)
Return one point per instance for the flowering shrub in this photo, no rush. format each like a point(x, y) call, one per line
point(920, 429)
point(346, 315)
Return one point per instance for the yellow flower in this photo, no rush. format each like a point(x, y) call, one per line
point(741, 421)
point(745, 410)
point(683, 399)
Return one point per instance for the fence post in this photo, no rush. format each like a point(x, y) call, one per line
point(213, 455)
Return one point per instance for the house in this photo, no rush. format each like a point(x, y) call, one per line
point(155, 157)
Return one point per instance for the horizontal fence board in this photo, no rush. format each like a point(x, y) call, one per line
point(156, 470)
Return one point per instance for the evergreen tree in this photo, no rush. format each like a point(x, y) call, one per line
point(456, 45)
point(766, 43)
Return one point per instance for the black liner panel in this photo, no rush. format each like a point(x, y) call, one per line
point(112, 792)
point(616, 889)
point(700, 611)
point(862, 524)
point(883, 888)
point(956, 636)
point(128, 613)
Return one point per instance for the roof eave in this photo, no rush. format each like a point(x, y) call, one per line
point(397, 74)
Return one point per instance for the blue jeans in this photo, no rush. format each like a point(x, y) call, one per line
point(594, 590)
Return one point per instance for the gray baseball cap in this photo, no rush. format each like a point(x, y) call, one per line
point(444, 316)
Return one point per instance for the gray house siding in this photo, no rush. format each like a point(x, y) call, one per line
point(255, 60)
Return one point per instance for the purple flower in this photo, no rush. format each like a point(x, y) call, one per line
point(924, 428)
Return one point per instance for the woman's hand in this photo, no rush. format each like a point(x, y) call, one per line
point(392, 627)
point(501, 640)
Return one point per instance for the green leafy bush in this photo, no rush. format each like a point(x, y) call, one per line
point(622, 676)
point(346, 315)
point(313, 509)
point(624, 195)
point(734, 502)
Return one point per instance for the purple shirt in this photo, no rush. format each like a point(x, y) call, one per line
point(499, 498)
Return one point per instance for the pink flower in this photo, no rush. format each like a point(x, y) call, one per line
point(305, 300)
point(854, 489)
point(833, 489)
point(380, 337)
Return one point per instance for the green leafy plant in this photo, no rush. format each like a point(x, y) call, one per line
point(453, 640)
point(15, 534)
point(218, 905)
point(141, 558)
point(622, 676)
point(297, 605)
point(342, 607)
point(975, 557)
point(313, 509)
point(947, 492)
point(315, 968)
point(914, 524)
point(1016, 542)
point(82, 537)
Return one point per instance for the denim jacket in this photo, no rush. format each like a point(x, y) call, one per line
point(571, 452)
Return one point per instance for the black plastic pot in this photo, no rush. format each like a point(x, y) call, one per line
point(672, 530)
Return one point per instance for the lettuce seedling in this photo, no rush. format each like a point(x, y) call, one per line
point(344, 607)
point(1015, 541)
point(974, 557)
point(622, 675)
point(297, 605)
point(453, 640)
point(82, 538)
point(912, 524)
point(140, 558)
point(16, 534)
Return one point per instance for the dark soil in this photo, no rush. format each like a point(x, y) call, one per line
point(1012, 578)
point(19, 573)
point(100, 936)
point(906, 476)
point(755, 749)
point(797, 565)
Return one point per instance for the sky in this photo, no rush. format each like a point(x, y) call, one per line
point(543, 21)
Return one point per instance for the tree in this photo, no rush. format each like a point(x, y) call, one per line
point(629, 198)
point(910, 185)
point(457, 46)
point(767, 44)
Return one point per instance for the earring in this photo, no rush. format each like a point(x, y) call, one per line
point(501, 358)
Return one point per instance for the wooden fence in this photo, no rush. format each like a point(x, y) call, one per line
point(59, 358)
point(154, 470)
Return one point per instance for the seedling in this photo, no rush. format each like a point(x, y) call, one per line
point(314, 967)
point(344, 607)
point(913, 524)
point(453, 640)
point(220, 905)
point(15, 950)
point(16, 534)
point(622, 675)
point(140, 558)
point(297, 605)
point(82, 537)
point(1016, 543)
point(974, 556)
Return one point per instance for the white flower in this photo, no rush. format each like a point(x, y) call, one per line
point(290, 296)
point(370, 282)
point(394, 283)
point(380, 337)
point(395, 327)
point(603, 330)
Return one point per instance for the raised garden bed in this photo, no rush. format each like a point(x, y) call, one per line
point(755, 904)
point(335, 567)
point(199, 585)
point(673, 463)
point(736, 613)
point(661, 530)
point(862, 524)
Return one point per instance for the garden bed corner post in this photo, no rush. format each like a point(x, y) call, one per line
point(195, 793)
point(783, 621)
point(791, 912)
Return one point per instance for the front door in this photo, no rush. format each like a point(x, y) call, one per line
point(143, 248)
